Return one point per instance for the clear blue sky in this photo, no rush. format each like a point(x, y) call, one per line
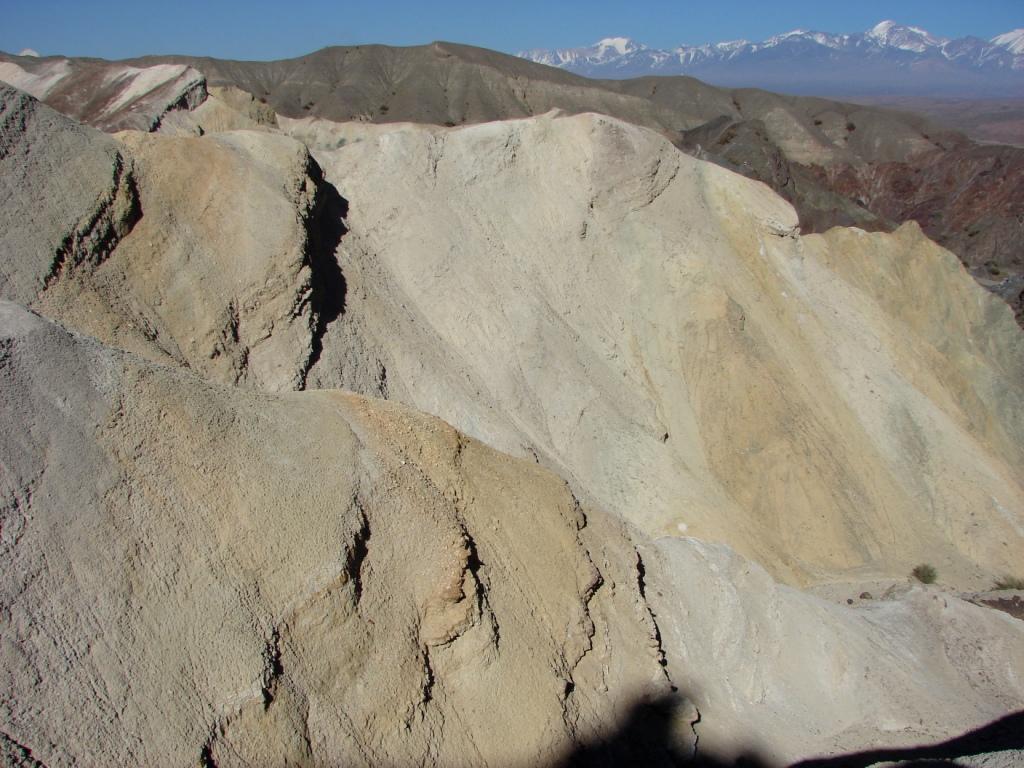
point(263, 29)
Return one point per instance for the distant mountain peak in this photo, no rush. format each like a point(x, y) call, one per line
point(883, 58)
point(1013, 41)
point(621, 45)
point(882, 27)
point(890, 34)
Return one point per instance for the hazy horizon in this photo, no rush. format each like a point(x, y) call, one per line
point(261, 29)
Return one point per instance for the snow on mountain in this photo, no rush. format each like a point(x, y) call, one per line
point(602, 52)
point(1012, 41)
point(621, 46)
point(889, 34)
point(889, 53)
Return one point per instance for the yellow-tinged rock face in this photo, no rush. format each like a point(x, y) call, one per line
point(215, 274)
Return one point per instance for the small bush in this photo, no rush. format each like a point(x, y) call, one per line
point(1009, 582)
point(924, 573)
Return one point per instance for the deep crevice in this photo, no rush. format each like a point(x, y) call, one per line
point(357, 553)
point(483, 606)
point(28, 760)
point(101, 234)
point(641, 583)
point(428, 682)
point(273, 669)
point(206, 759)
point(325, 227)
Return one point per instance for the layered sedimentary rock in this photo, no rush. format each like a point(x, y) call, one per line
point(243, 575)
point(109, 95)
point(576, 290)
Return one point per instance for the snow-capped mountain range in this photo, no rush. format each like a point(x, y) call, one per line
point(889, 56)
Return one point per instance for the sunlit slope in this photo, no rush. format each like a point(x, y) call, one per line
point(654, 327)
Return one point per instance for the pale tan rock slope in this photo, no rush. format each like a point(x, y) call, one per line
point(654, 328)
point(203, 574)
point(196, 572)
point(777, 671)
point(575, 289)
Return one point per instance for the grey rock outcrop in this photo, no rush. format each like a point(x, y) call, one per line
point(67, 195)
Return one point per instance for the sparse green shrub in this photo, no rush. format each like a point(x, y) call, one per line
point(1009, 582)
point(924, 573)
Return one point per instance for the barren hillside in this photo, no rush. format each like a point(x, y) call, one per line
point(635, 416)
point(839, 164)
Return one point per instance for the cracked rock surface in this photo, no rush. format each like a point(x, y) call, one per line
point(195, 571)
point(196, 251)
point(67, 195)
point(205, 574)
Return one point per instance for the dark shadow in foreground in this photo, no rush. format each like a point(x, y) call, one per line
point(1000, 735)
point(646, 738)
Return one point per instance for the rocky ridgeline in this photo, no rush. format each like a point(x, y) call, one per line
point(205, 566)
point(838, 164)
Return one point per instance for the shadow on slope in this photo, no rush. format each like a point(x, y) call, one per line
point(645, 737)
point(326, 229)
point(1007, 733)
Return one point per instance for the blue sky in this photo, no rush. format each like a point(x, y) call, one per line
point(262, 29)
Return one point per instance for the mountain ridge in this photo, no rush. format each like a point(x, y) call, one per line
point(915, 60)
point(838, 163)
